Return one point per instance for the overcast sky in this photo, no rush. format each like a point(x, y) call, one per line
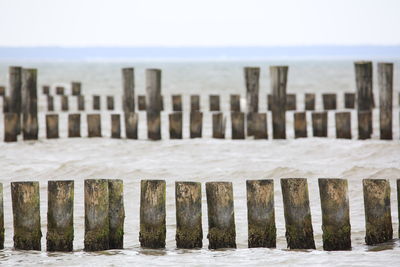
point(199, 23)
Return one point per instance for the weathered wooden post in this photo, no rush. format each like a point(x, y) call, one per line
point(218, 124)
point(320, 124)
point(46, 90)
point(1, 217)
point(349, 100)
point(152, 214)
point(76, 88)
point(196, 124)
point(363, 71)
point(385, 80)
point(364, 124)
point(343, 125)
point(26, 215)
point(278, 76)
point(153, 125)
point(153, 105)
point(221, 216)
point(94, 125)
point(110, 102)
point(81, 102)
point(175, 125)
point(177, 102)
point(74, 125)
point(116, 213)
point(335, 214)
point(269, 102)
point(300, 125)
point(64, 103)
point(329, 101)
point(97, 219)
point(291, 102)
point(296, 206)
point(96, 102)
point(214, 103)
point(260, 125)
point(237, 121)
point(309, 100)
point(59, 90)
point(50, 103)
point(115, 126)
point(6, 104)
point(142, 102)
point(131, 125)
point(235, 103)
point(128, 98)
point(2, 91)
point(60, 216)
point(378, 218)
point(189, 231)
point(261, 213)
point(52, 126)
point(15, 93)
point(194, 103)
point(11, 121)
point(252, 80)
point(29, 104)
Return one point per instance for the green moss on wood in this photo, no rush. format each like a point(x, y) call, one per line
point(262, 237)
point(300, 237)
point(27, 240)
point(97, 240)
point(152, 236)
point(335, 238)
point(221, 238)
point(189, 238)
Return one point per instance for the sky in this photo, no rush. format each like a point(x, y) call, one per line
point(131, 23)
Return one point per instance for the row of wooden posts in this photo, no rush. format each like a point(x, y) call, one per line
point(105, 214)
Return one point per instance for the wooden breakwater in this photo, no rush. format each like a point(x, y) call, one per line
point(105, 214)
point(20, 107)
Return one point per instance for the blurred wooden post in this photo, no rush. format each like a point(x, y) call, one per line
point(97, 219)
point(300, 125)
point(320, 124)
point(115, 126)
point(76, 88)
point(252, 80)
point(29, 104)
point(26, 215)
point(59, 90)
point(296, 206)
point(329, 101)
point(64, 103)
point(194, 103)
point(128, 98)
point(153, 105)
point(218, 124)
point(261, 213)
point(116, 213)
point(152, 214)
point(364, 124)
point(81, 102)
point(291, 102)
point(189, 231)
point(335, 214)
point(46, 90)
point(269, 102)
point(260, 125)
point(235, 103)
point(74, 125)
point(214, 103)
point(131, 125)
point(278, 76)
point(237, 121)
point(1, 217)
point(363, 71)
point(50, 103)
point(141, 102)
point(15, 93)
point(343, 125)
point(52, 126)
point(110, 102)
point(175, 125)
point(196, 124)
point(385, 81)
point(177, 102)
point(94, 125)
point(60, 215)
point(378, 218)
point(349, 100)
point(153, 125)
point(221, 216)
point(309, 101)
point(11, 121)
point(96, 102)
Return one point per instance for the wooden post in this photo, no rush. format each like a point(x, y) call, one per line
point(300, 125)
point(131, 125)
point(1, 217)
point(320, 124)
point(385, 80)
point(97, 219)
point(261, 213)
point(335, 214)
point(15, 87)
point(26, 215)
point(94, 125)
point(60, 216)
point(296, 206)
point(252, 80)
point(153, 125)
point(115, 126)
point(269, 102)
point(110, 102)
point(59, 90)
point(64, 103)
point(364, 124)
point(128, 98)
point(46, 89)
point(189, 231)
point(378, 218)
point(214, 103)
point(81, 102)
point(290, 102)
point(6, 104)
point(218, 122)
point(196, 124)
point(52, 126)
point(29, 104)
point(74, 125)
point(250, 123)
point(221, 216)
point(142, 102)
point(153, 90)
point(260, 125)
point(96, 102)
point(309, 101)
point(175, 125)
point(237, 121)
point(76, 88)
point(11, 121)
point(363, 71)
point(349, 100)
point(278, 76)
point(152, 214)
point(194, 103)
point(116, 213)
point(235, 103)
point(329, 101)
point(177, 102)
point(50, 103)
point(343, 125)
